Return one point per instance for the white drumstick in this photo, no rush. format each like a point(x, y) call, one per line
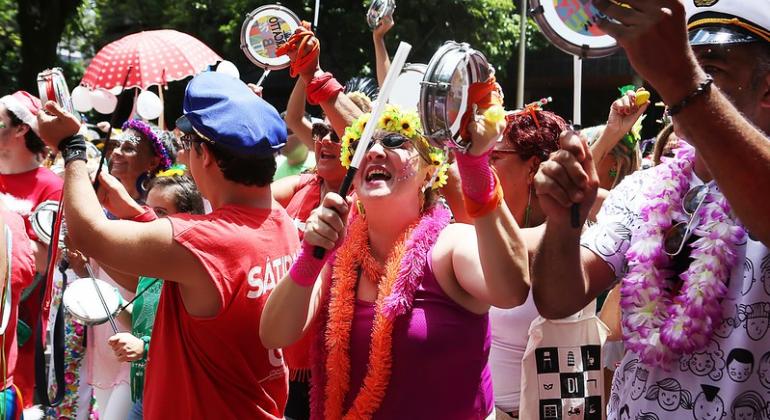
point(262, 79)
point(315, 17)
point(382, 99)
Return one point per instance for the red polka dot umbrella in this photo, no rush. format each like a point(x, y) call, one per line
point(153, 58)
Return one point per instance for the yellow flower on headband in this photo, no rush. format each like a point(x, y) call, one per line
point(410, 125)
point(441, 177)
point(359, 124)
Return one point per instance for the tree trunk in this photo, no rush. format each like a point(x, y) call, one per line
point(41, 23)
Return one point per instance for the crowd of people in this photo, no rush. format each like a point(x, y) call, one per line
point(439, 267)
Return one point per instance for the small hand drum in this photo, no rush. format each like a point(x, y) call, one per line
point(570, 25)
point(265, 29)
point(444, 92)
point(379, 10)
point(52, 86)
point(406, 91)
point(41, 221)
point(82, 301)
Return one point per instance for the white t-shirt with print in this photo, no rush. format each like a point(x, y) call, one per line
point(730, 378)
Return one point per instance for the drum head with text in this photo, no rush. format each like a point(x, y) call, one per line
point(264, 30)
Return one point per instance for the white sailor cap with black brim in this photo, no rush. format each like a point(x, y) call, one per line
point(715, 22)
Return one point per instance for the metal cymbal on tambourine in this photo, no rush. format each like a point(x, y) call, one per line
point(444, 92)
point(570, 25)
point(379, 10)
point(41, 220)
point(265, 29)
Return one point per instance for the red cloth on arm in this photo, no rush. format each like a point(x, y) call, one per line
point(217, 368)
point(322, 88)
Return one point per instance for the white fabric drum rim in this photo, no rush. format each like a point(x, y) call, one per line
point(280, 12)
point(82, 302)
point(406, 91)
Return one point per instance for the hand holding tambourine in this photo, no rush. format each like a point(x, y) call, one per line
point(56, 124)
point(303, 49)
point(484, 121)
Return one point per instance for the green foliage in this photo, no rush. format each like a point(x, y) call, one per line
point(10, 45)
point(488, 25)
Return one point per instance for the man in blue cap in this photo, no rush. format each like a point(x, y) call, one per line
point(207, 360)
point(687, 239)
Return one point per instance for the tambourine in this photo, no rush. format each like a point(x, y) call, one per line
point(52, 86)
point(444, 92)
point(406, 91)
point(83, 303)
point(265, 29)
point(41, 221)
point(570, 25)
point(379, 10)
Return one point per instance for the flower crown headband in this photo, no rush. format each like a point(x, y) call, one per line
point(406, 124)
point(146, 130)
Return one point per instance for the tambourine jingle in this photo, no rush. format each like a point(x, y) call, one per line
point(268, 34)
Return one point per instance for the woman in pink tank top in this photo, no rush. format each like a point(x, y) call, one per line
point(404, 301)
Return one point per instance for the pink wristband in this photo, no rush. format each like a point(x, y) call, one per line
point(306, 267)
point(148, 215)
point(476, 176)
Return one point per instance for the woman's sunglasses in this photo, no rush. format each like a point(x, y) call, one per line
point(319, 131)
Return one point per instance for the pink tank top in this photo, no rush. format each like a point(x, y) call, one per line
point(440, 353)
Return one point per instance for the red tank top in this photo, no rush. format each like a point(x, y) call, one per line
point(217, 367)
point(307, 196)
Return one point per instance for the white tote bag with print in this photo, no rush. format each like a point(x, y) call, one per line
point(562, 376)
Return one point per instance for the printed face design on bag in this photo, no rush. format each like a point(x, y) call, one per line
point(708, 405)
point(764, 270)
point(756, 318)
point(763, 370)
point(709, 362)
point(729, 323)
point(740, 364)
point(669, 394)
point(749, 406)
point(619, 235)
point(628, 371)
point(639, 383)
point(748, 276)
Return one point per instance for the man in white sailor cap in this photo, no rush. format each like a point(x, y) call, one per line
point(687, 239)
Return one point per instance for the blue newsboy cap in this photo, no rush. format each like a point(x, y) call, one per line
point(225, 111)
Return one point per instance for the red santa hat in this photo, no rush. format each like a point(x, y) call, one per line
point(24, 106)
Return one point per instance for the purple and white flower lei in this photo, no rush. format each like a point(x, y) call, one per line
point(660, 327)
point(146, 130)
